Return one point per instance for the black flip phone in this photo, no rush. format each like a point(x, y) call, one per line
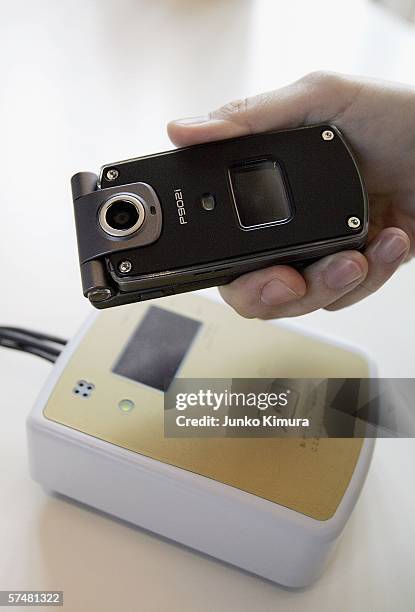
point(202, 215)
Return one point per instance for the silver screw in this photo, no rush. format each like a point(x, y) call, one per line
point(112, 174)
point(353, 222)
point(125, 266)
point(327, 135)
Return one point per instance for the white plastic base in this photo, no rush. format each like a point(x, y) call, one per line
point(237, 527)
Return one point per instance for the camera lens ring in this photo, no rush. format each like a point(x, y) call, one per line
point(122, 198)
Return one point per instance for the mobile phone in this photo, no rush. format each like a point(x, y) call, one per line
point(203, 215)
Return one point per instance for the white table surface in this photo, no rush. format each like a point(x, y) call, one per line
point(88, 82)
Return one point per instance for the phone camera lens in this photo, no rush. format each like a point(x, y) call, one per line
point(122, 215)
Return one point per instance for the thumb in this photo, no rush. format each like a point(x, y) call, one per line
point(318, 97)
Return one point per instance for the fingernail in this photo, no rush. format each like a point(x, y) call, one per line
point(392, 248)
point(276, 292)
point(192, 120)
point(342, 272)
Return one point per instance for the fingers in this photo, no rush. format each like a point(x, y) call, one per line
point(332, 283)
point(315, 98)
point(258, 294)
point(281, 291)
point(335, 281)
point(384, 256)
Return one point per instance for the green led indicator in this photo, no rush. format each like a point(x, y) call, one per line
point(126, 405)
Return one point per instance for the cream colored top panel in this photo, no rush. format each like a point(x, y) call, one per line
point(309, 476)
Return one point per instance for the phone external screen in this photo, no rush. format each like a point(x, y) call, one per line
point(260, 193)
point(157, 348)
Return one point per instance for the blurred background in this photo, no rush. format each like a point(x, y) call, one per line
point(405, 8)
point(86, 82)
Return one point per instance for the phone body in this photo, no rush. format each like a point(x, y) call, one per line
point(203, 215)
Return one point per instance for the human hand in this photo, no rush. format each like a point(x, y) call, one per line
point(378, 120)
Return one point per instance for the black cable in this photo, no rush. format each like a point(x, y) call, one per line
point(34, 334)
point(28, 349)
point(24, 340)
point(43, 345)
